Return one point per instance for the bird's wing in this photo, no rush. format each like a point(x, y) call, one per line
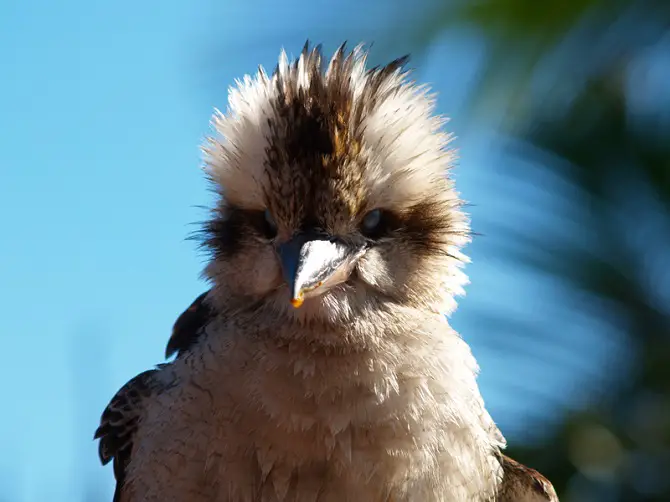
point(119, 422)
point(120, 419)
point(189, 326)
point(523, 484)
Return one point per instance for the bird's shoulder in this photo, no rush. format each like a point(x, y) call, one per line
point(523, 484)
point(120, 419)
point(190, 326)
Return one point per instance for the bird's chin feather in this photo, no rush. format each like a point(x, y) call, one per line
point(330, 308)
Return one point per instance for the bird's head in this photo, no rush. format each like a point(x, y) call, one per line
point(334, 195)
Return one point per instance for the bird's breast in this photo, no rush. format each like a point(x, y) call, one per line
point(264, 424)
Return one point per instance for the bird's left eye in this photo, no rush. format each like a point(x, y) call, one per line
point(371, 221)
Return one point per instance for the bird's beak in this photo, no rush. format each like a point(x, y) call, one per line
point(312, 263)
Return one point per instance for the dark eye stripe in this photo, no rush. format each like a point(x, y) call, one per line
point(225, 235)
point(427, 228)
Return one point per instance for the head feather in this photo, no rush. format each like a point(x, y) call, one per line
point(380, 106)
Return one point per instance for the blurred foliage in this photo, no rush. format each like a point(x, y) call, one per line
point(581, 89)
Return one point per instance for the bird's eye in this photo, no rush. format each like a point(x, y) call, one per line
point(372, 222)
point(378, 223)
point(270, 226)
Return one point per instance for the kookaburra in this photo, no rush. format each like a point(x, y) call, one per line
point(320, 365)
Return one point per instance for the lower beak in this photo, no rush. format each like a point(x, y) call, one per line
point(313, 263)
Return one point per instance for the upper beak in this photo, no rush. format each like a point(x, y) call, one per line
point(312, 263)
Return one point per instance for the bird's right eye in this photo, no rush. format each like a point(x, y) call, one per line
point(269, 225)
point(371, 221)
point(377, 223)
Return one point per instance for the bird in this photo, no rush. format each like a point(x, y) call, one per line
point(320, 365)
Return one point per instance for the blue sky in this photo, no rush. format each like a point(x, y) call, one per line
point(102, 108)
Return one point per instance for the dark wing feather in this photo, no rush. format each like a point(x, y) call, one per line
point(189, 326)
point(119, 421)
point(523, 484)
